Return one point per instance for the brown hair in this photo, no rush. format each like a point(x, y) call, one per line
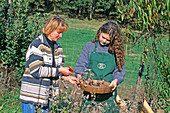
point(116, 45)
point(54, 23)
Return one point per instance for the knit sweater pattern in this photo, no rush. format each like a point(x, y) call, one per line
point(40, 76)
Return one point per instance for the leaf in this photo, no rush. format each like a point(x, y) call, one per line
point(144, 22)
point(159, 7)
point(127, 32)
point(140, 12)
point(149, 10)
point(167, 2)
point(150, 18)
point(141, 2)
point(146, 1)
point(146, 16)
point(127, 39)
point(165, 12)
point(156, 14)
point(163, 6)
point(154, 2)
point(122, 17)
point(130, 3)
point(130, 11)
point(119, 10)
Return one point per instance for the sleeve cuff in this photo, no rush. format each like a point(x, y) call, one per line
point(55, 72)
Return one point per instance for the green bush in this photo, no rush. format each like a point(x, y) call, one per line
point(17, 31)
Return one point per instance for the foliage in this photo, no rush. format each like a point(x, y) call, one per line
point(79, 8)
point(157, 81)
point(105, 7)
point(17, 31)
point(76, 8)
point(145, 16)
point(91, 8)
point(144, 22)
point(36, 5)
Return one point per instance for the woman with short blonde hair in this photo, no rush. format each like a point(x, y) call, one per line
point(44, 65)
point(54, 23)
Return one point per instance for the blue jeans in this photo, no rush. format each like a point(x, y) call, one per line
point(30, 108)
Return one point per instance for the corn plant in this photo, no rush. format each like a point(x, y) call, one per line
point(145, 22)
point(144, 15)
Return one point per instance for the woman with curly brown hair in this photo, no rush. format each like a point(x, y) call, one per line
point(107, 49)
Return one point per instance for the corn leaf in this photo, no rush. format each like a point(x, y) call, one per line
point(149, 10)
point(167, 2)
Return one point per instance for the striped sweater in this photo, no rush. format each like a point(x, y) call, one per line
point(39, 75)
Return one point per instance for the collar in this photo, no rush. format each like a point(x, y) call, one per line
point(44, 41)
point(51, 43)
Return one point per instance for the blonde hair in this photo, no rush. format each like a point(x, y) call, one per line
point(55, 23)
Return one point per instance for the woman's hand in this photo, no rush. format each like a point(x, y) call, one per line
point(71, 79)
point(65, 70)
point(79, 77)
point(114, 84)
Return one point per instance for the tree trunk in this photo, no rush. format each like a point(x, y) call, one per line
point(90, 13)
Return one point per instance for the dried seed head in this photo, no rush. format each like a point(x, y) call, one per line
point(92, 74)
point(86, 82)
point(86, 73)
point(78, 82)
point(91, 78)
point(87, 97)
point(87, 70)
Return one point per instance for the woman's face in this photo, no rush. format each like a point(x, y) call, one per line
point(55, 35)
point(104, 39)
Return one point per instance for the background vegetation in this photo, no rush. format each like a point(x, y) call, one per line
point(145, 27)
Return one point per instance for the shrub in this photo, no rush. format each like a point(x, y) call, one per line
point(17, 31)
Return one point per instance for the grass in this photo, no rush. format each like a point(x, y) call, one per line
point(9, 102)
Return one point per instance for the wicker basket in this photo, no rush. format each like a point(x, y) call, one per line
point(96, 86)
